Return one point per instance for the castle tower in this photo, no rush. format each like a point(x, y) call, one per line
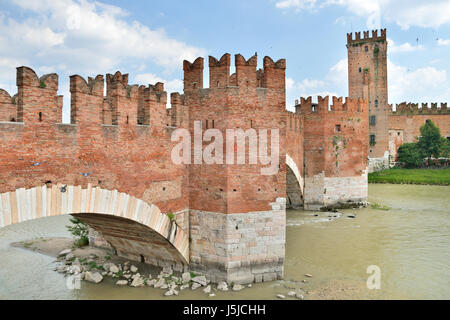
point(367, 79)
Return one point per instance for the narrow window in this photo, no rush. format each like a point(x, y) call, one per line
point(372, 140)
point(206, 124)
point(366, 49)
point(376, 103)
point(218, 84)
point(212, 123)
point(251, 123)
point(127, 119)
point(360, 69)
point(337, 128)
point(40, 116)
point(373, 120)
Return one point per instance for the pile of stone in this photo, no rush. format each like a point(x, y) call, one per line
point(128, 275)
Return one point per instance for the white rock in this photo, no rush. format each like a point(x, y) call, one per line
point(223, 286)
point(133, 269)
point(127, 276)
point(122, 282)
point(249, 285)
point(113, 268)
point(308, 275)
point(70, 256)
point(165, 286)
point(195, 286)
point(104, 273)
point(212, 295)
point(207, 290)
point(238, 287)
point(184, 286)
point(160, 283)
point(280, 296)
point(291, 294)
point(137, 282)
point(151, 282)
point(186, 277)
point(200, 280)
point(299, 296)
point(64, 252)
point(93, 277)
point(61, 269)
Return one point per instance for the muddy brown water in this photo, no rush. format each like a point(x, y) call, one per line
point(410, 243)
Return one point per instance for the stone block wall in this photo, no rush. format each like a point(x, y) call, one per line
point(239, 247)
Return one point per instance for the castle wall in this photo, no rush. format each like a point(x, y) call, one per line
point(335, 155)
point(405, 123)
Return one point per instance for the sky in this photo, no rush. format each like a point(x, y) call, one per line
point(150, 39)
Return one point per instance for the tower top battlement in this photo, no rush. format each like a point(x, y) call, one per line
point(366, 37)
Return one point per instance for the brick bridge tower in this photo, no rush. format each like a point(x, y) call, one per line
point(367, 79)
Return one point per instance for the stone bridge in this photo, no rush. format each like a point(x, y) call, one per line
point(112, 166)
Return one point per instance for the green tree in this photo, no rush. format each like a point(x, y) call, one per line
point(430, 142)
point(80, 230)
point(445, 148)
point(409, 154)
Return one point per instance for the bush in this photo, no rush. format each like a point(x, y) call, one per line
point(409, 154)
point(80, 230)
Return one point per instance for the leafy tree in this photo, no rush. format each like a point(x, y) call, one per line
point(430, 142)
point(80, 230)
point(445, 148)
point(410, 155)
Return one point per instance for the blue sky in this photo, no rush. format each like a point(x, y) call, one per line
point(149, 40)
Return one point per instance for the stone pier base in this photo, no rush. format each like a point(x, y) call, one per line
point(322, 192)
point(240, 247)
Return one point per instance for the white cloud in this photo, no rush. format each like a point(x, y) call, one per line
point(404, 47)
point(174, 85)
point(426, 84)
point(84, 37)
point(417, 85)
point(297, 4)
point(444, 42)
point(405, 13)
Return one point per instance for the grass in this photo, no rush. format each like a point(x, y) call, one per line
point(378, 206)
point(412, 176)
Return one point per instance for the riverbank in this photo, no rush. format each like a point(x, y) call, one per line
point(96, 266)
point(412, 176)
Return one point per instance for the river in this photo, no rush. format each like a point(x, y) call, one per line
point(410, 243)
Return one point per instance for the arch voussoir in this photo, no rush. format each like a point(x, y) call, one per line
point(38, 202)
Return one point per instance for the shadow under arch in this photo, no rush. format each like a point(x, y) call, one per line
point(294, 185)
point(129, 224)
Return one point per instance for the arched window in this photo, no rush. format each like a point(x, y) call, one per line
point(376, 103)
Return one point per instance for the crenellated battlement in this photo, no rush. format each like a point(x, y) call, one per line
point(367, 37)
point(338, 106)
point(419, 108)
point(247, 75)
point(294, 121)
point(37, 102)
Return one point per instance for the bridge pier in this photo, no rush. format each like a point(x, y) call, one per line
point(239, 247)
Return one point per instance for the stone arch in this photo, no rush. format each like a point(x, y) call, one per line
point(139, 226)
point(294, 184)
